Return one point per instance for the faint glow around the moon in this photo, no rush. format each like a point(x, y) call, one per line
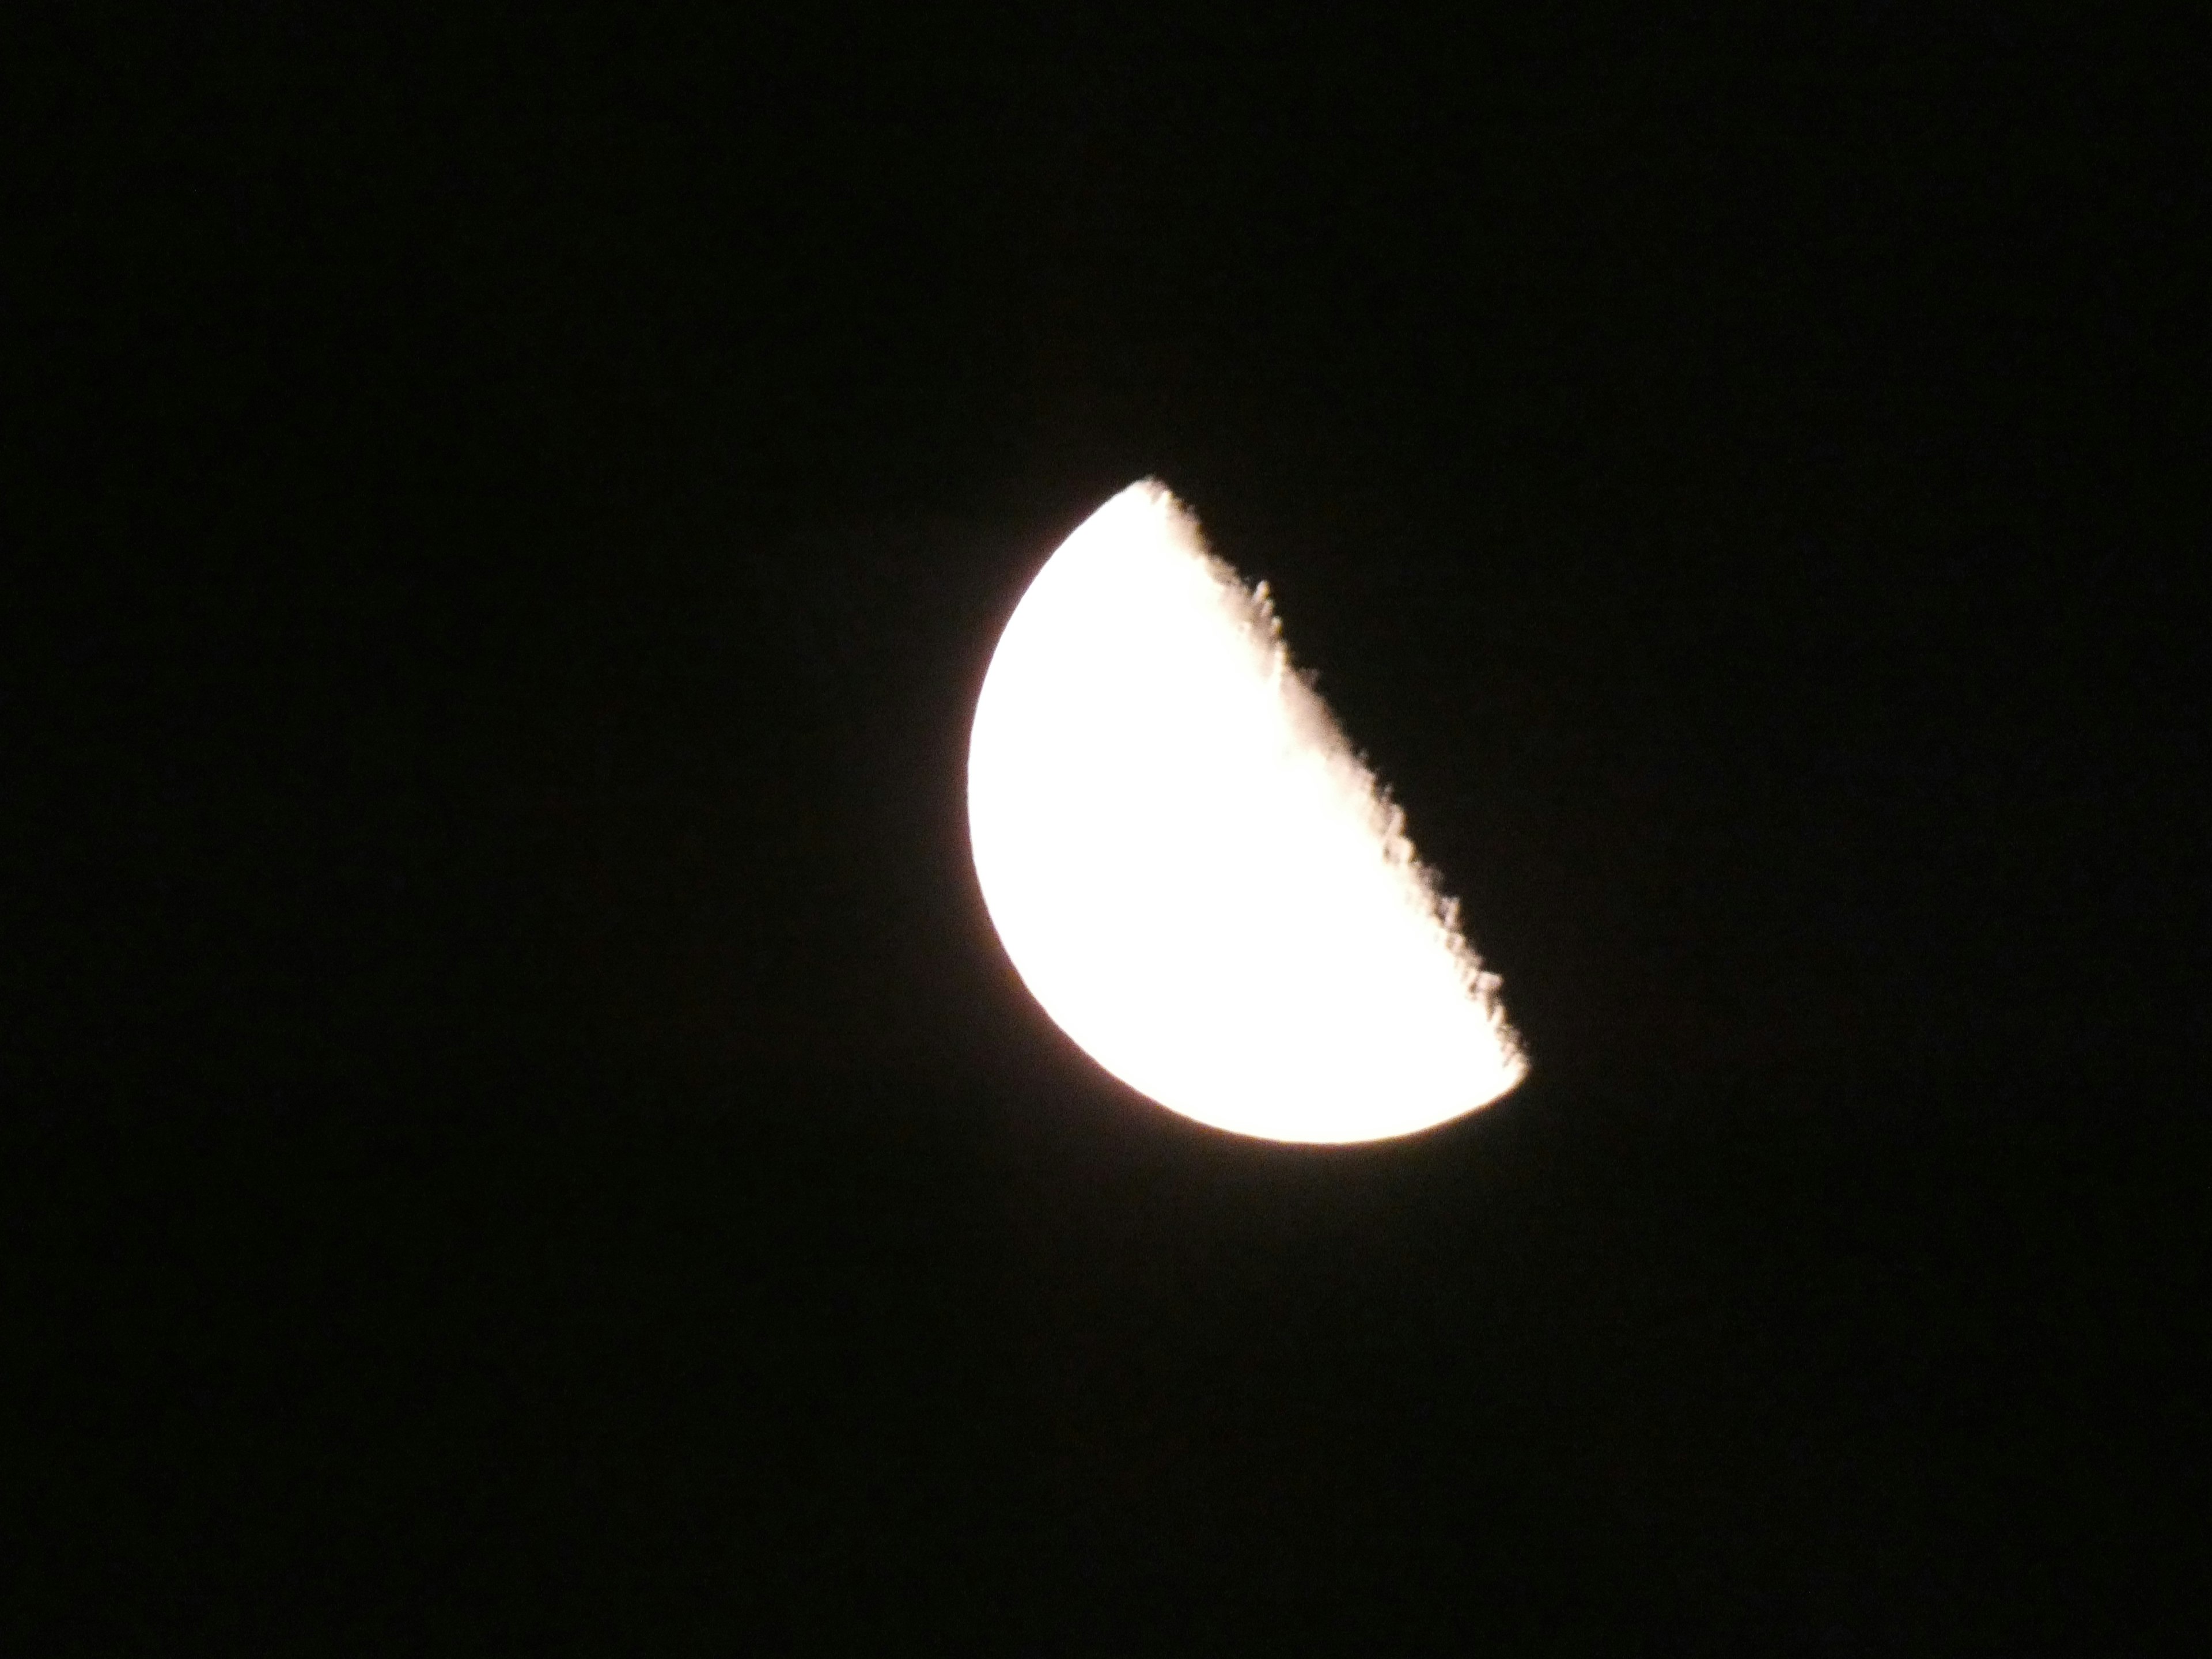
point(1193, 872)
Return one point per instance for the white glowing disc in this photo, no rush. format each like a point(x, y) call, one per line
point(1191, 870)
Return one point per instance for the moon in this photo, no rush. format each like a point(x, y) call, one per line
point(1193, 872)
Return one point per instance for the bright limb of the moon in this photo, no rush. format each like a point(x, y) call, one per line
point(1193, 872)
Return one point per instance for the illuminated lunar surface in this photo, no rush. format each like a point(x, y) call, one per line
point(1193, 872)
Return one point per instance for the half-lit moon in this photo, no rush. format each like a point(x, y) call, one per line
point(1194, 873)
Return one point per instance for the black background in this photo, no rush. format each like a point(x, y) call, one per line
point(522, 1134)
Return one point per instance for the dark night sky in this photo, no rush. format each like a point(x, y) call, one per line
point(524, 1135)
